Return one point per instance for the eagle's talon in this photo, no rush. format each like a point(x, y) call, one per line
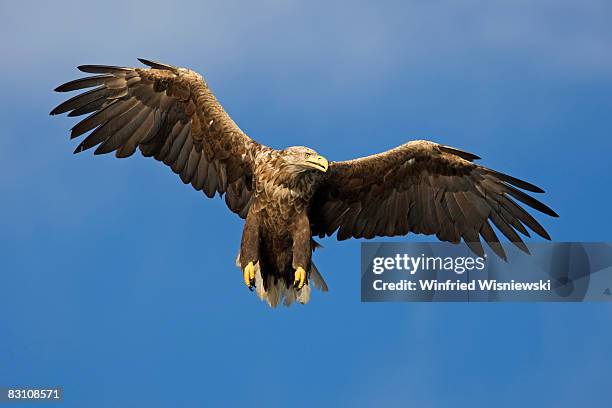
point(299, 278)
point(249, 276)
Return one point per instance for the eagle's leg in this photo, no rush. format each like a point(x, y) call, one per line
point(302, 250)
point(249, 275)
point(299, 278)
point(249, 249)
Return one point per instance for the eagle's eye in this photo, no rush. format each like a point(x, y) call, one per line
point(308, 155)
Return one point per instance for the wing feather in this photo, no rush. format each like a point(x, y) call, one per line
point(168, 113)
point(426, 188)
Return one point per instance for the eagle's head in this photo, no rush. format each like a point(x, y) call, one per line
point(302, 159)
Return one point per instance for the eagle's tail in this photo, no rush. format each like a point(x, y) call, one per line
point(276, 290)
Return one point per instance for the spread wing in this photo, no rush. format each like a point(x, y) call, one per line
point(428, 189)
point(169, 113)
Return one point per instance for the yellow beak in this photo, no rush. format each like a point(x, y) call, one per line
point(318, 162)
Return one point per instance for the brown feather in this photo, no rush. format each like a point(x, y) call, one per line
point(442, 193)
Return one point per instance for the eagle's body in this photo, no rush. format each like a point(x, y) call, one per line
point(277, 236)
point(288, 196)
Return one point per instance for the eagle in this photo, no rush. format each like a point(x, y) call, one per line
point(289, 196)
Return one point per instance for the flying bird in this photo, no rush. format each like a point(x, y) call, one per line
point(289, 196)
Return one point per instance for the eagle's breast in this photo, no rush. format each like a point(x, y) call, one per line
point(280, 193)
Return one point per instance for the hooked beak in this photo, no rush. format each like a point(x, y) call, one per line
point(317, 162)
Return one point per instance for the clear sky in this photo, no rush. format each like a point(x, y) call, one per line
point(118, 283)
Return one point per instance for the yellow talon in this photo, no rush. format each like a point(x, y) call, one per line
point(300, 277)
point(249, 275)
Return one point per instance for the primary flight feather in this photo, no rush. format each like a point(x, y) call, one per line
point(288, 196)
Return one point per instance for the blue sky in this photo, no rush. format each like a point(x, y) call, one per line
point(118, 282)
